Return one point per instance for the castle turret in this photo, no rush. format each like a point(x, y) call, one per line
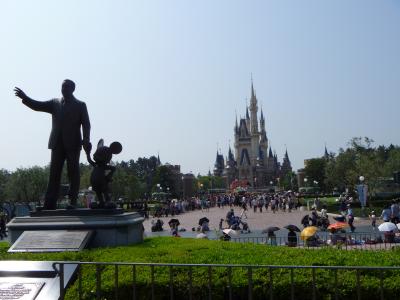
point(326, 154)
point(219, 165)
point(286, 165)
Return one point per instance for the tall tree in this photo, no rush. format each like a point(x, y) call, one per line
point(315, 171)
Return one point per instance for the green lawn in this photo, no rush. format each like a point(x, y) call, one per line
point(179, 250)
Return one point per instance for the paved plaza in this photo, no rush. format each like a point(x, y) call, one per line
point(256, 221)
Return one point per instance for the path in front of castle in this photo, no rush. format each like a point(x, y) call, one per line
point(256, 221)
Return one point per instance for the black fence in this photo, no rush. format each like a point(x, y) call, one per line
point(194, 281)
point(360, 241)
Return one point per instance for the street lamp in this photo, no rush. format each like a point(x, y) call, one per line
point(362, 190)
point(305, 182)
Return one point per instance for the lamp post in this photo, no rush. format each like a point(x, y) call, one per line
point(305, 181)
point(362, 190)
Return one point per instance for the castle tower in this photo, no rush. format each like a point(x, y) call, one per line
point(219, 165)
point(263, 138)
point(286, 165)
point(252, 159)
point(255, 135)
point(230, 168)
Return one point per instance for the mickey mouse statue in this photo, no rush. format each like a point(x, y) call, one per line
point(102, 173)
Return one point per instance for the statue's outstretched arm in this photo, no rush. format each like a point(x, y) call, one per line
point(45, 106)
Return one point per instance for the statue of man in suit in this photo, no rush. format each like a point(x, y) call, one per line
point(68, 116)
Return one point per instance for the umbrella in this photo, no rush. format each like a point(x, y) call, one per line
point(230, 232)
point(201, 236)
point(203, 220)
point(308, 232)
point(387, 226)
point(338, 225)
point(305, 219)
point(292, 228)
point(174, 221)
point(340, 219)
point(270, 229)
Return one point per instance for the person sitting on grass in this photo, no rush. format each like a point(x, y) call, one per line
point(314, 241)
point(225, 237)
point(271, 239)
point(292, 239)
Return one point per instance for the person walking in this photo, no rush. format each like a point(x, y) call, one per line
point(372, 216)
point(244, 208)
point(254, 204)
point(350, 218)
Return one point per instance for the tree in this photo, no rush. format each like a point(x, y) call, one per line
point(4, 177)
point(315, 171)
point(125, 185)
point(165, 178)
point(361, 158)
point(288, 181)
point(27, 185)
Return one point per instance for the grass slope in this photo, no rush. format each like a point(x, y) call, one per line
point(175, 250)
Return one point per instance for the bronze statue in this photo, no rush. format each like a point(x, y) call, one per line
point(65, 142)
point(102, 172)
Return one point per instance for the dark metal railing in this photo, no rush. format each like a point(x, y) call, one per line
point(270, 273)
point(361, 241)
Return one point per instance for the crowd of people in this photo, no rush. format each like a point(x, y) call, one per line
point(274, 202)
point(282, 202)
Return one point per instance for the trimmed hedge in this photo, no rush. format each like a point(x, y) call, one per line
point(175, 250)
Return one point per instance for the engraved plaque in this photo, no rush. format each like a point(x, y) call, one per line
point(51, 241)
point(19, 291)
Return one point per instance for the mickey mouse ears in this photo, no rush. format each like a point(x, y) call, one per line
point(115, 147)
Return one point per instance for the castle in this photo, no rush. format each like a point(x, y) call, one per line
point(253, 160)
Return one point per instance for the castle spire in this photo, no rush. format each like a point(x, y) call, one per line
point(236, 123)
point(252, 88)
point(286, 155)
point(253, 110)
point(326, 154)
point(158, 159)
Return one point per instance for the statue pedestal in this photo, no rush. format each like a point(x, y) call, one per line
point(110, 227)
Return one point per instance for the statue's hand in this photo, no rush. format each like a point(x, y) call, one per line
point(20, 93)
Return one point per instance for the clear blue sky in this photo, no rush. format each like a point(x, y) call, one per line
point(167, 76)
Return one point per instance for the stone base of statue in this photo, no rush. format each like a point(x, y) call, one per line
point(109, 228)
